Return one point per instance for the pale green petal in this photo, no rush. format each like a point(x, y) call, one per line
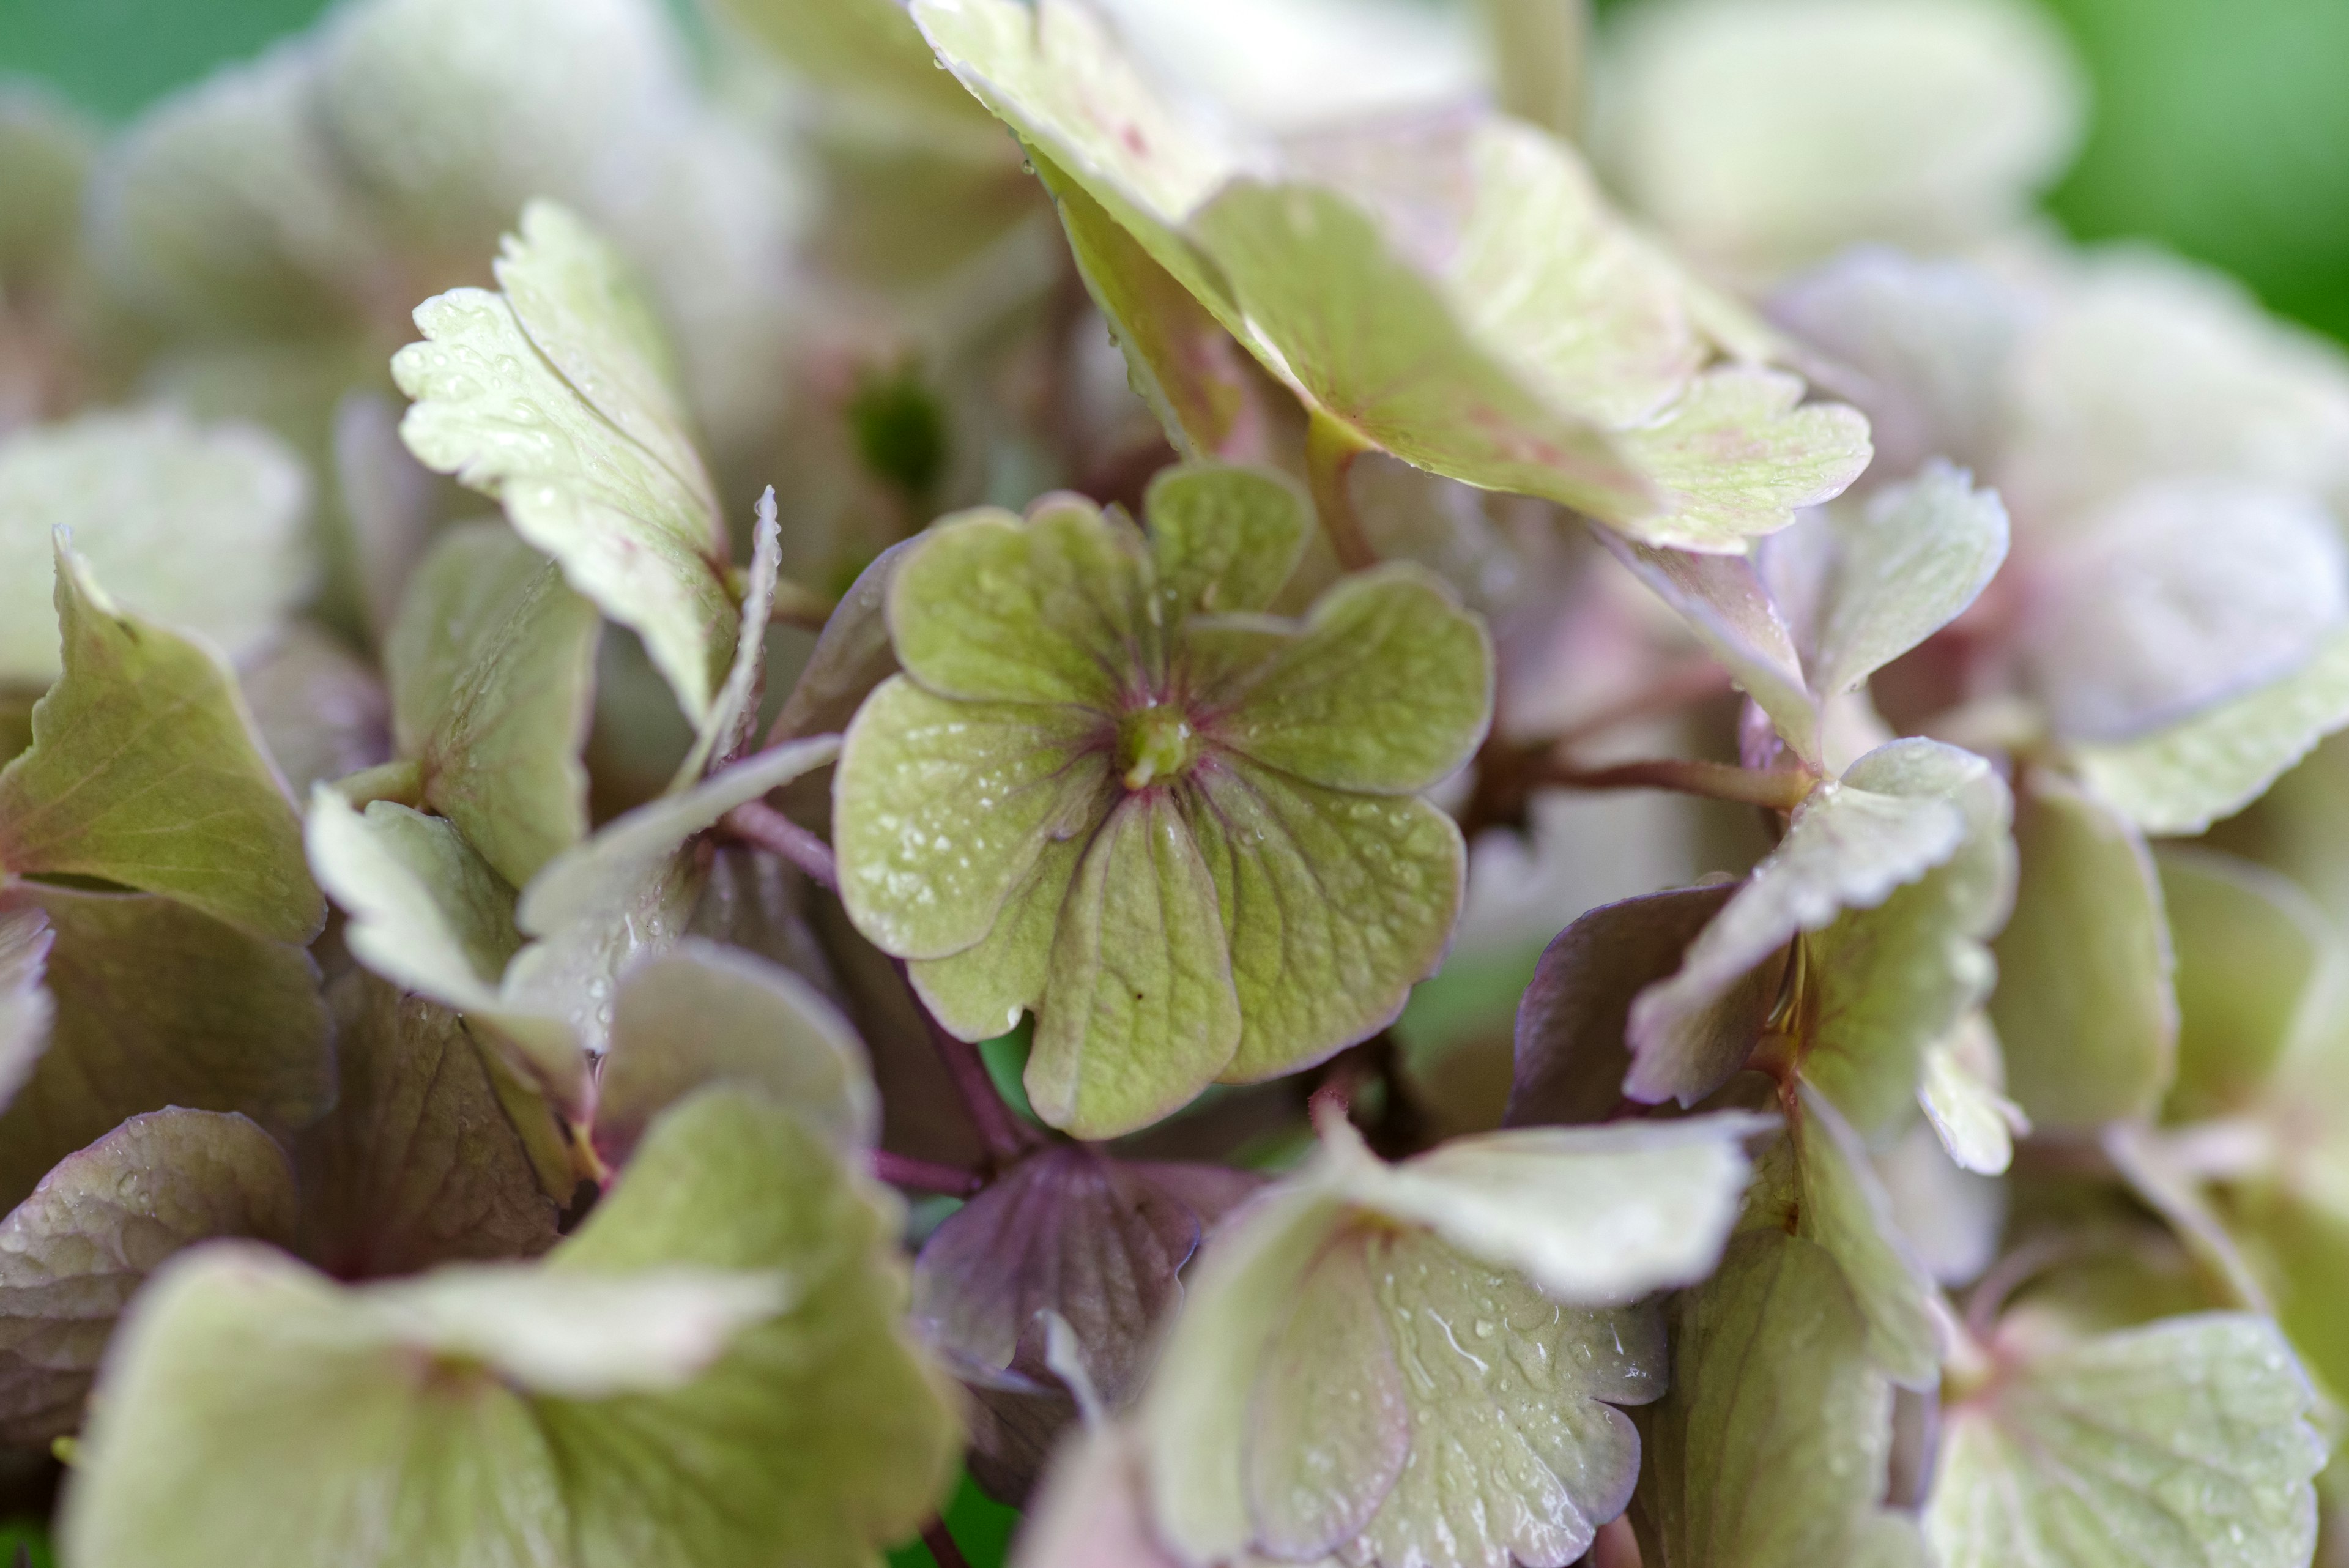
point(321, 710)
point(1732, 612)
point(159, 505)
point(1368, 339)
point(1053, 73)
point(27, 1009)
point(1770, 1450)
point(1848, 849)
point(1139, 1013)
point(1333, 906)
point(1199, 1407)
point(629, 890)
point(940, 808)
point(632, 532)
point(868, 52)
point(1557, 284)
point(1734, 459)
point(1591, 1215)
point(221, 210)
point(2180, 779)
point(446, 118)
point(825, 1428)
point(492, 664)
point(1905, 565)
point(734, 712)
point(1330, 1429)
point(1818, 1184)
point(1051, 610)
point(1387, 689)
point(980, 991)
point(2179, 596)
point(1930, 339)
point(852, 656)
point(1178, 359)
point(1886, 982)
point(105, 1217)
point(1223, 539)
point(635, 1400)
point(425, 1158)
point(2151, 366)
point(427, 912)
point(145, 769)
point(157, 1006)
point(702, 1013)
point(1964, 1097)
point(2083, 1006)
point(1762, 136)
point(1516, 1452)
point(2257, 962)
point(2183, 1441)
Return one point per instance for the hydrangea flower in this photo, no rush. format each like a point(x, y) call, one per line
point(1110, 788)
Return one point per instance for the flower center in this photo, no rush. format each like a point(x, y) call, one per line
point(1154, 744)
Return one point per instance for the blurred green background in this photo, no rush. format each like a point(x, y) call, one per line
point(2221, 127)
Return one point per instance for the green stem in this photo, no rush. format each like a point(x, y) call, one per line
point(1330, 450)
point(400, 782)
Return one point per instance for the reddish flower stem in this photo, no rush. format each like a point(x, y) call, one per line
point(755, 822)
point(942, 1546)
point(925, 1175)
point(1005, 1138)
point(1330, 450)
point(1780, 789)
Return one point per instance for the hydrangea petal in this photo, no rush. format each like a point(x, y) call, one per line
point(158, 1005)
point(1388, 689)
point(1887, 980)
point(2083, 1006)
point(1332, 905)
point(2180, 779)
point(1054, 609)
point(702, 1013)
point(1735, 458)
point(1570, 1057)
point(2057, 1463)
point(492, 667)
point(632, 534)
point(155, 503)
point(940, 808)
point(1847, 847)
point(2177, 596)
point(1139, 1013)
point(1905, 563)
point(421, 1161)
point(145, 769)
point(1770, 1451)
point(636, 1397)
point(1765, 135)
point(1371, 343)
point(1963, 1094)
point(1520, 1453)
point(1817, 1184)
point(1732, 612)
point(2255, 962)
point(1224, 539)
point(1591, 1215)
point(73, 1252)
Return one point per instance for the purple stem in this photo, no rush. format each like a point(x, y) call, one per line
point(924, 1175)
point(758, 822)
